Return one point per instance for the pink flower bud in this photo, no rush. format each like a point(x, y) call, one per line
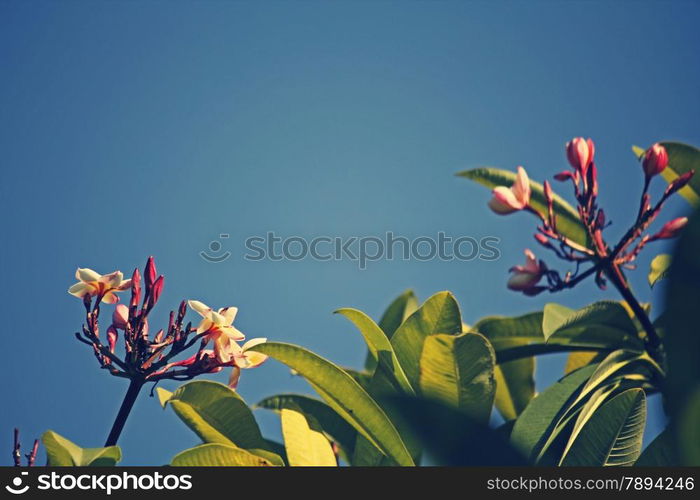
point(543, 240)
point(655, 160)
point(671, 229)
point(508, 200)
point(135, 288)
point(680, 182)
point(157, 289)
point(150, 273)
point(579, 152)
point(159, 337)
point(112, 336)
point(527, 276)
point(548, 195)
point(120, 316)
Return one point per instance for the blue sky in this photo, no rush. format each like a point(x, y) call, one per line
point(149, 128)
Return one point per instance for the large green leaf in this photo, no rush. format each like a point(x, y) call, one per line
point(60, 452)
point(682, 158)
point(305, 446)
point(218, 455)
point(216, 414)
point(316, 411)
point(401, 308)
point(501, 329)
point(538, 420)
point(661, 452)
point(658, 270)
point(344, 395)
point(439, 314)
point(613, 434)
point(515, 385)
point(682, 341)
point(379, 346)
point(452, 438)
point(458, 370)
point(605, 324)
point(568, 222)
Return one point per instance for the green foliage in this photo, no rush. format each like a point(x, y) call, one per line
point(568, 222)
point(219, 455)
point(613, 434)
point(60, 452)
point(661, 452)
point(604, 325)
point(380, 348)
point(451, 437)
point(216, 414)
point(659, 269)
point(439, 314)
point(459, 371)
point(534, 426)
point(305, 445)
point(683, 342)
point(345, 396)
point(320, 416)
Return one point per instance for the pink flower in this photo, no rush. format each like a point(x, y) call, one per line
point(527, 276)
point(655, 160)
point(217, 326)
point(120, 316)
point(579, 152)
point(508, 200)
point(671, 229)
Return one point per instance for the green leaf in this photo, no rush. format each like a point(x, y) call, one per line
point(688, 429)
point(605, 324)
point(380, 347)
point(458, 370)
point(613, 434)
point(218, 455)
point(344, 395)
point(505, 330)
point(163, 396)
point(537, 421)
point(305, 446)
point(401, 308)
point(439, 314)
point(659, 269)
point(217, 414)
point(451, 437)
point(316, 411)
point(661, 452)
point(515, 384)
point(682, 342)
point(60, 452)
point(579, 359)
point(568, 222)
point(682, 158)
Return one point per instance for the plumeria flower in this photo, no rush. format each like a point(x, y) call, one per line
point(94, 284)
point(244, 358)
point(508, 200)
point(526, 277)
point(217, 326)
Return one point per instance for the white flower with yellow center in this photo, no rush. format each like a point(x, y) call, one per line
point(217, 326)
point(95, 284)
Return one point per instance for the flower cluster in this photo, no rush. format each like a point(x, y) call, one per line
point(607, 260)
point(149, 359)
